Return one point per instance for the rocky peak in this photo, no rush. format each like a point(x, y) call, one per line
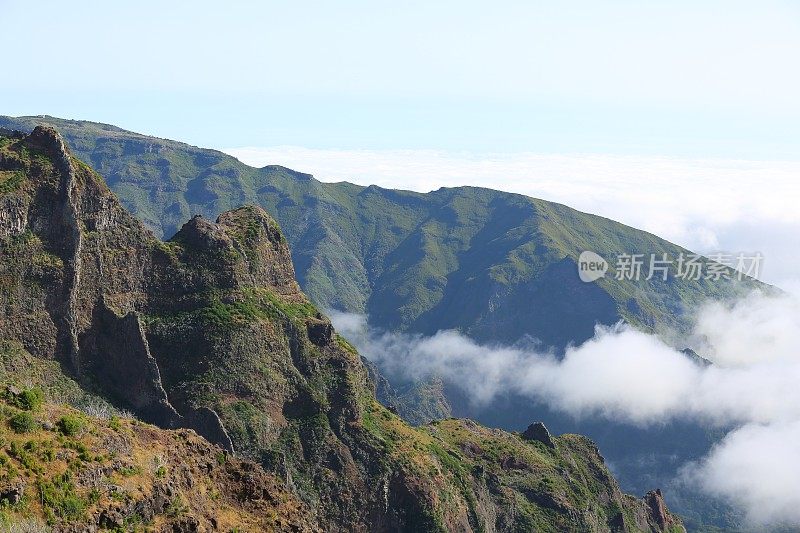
point(202, 233)
point(250, 242)
point(258, 237)
point(49, 139)
point(91, 266)
point(658, 516)
point(538, 432)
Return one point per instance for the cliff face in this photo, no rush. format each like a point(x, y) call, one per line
point(210, 331)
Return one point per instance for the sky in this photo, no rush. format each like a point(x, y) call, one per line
point(669, 116)
point(631, 77)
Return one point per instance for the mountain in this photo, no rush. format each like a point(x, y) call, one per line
point(210, 332)
point(496, 266)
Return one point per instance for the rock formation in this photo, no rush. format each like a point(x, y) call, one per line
point(538, 432)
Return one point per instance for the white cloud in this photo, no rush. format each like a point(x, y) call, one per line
point(702, 204)
point(626, 375)
point(620, 373)
point(757, 468)
point(754, 329)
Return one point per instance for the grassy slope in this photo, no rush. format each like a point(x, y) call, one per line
point(72, 469)
point(93, 467)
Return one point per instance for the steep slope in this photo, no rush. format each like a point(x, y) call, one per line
point(210, 331)
point(75, 472)
point(496, 266)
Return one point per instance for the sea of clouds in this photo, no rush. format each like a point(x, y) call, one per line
point(625, 375)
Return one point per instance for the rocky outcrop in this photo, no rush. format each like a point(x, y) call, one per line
point(207, 423)
point(538, 432)
point(658, 516)
point(118, 356)
point(12, 493)
point(696, 358)
point(257, 236)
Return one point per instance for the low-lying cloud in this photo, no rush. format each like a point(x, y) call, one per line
point(626, 375)
point(756, 467)
point(755, 329)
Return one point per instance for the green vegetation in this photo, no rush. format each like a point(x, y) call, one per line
point(114, 423)
point(22, 422)
point(175, 508)
point(70, 425)
point(129, 471)
point(11, 180)
point(28, 399)
point(59, 498)
point(249, 305)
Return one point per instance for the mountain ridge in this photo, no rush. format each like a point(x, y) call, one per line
point(465, 258)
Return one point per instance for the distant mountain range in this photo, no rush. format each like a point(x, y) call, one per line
point(496, 266)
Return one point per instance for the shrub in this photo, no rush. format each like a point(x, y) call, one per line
point(70, 425)
point(175, 508)
point(58, 496)
point(30, 399)
point(129, 471)
point(22, 422)
point(22, 453)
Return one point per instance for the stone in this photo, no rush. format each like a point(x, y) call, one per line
point(538, 432)
point(657, 509)
point(12, 495)
point(320, 332)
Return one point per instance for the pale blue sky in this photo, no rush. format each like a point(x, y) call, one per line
point(700, 79)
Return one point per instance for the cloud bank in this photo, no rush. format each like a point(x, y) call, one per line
point(626, 375)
